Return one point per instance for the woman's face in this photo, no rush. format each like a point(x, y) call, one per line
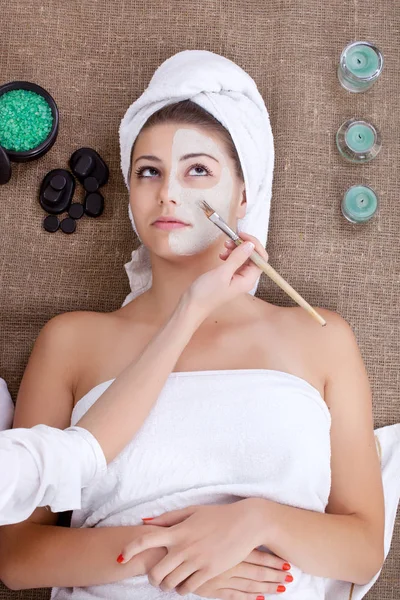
point(168, 181)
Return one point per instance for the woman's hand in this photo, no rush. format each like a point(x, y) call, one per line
point(230, 245)
point(261, 573)
point(237, 275)
point(202, 542)
point(146, 560)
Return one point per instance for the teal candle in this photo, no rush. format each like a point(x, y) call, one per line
point(359, 204)
point(358, 141)
point(360, 66)
point(360, 137)
point(362, 60)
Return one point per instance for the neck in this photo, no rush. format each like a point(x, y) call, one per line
point(172, 279)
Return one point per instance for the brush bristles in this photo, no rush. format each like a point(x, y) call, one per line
point(206, 207)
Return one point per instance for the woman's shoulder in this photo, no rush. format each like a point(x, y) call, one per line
point(298, 320)
point(298, 317)
point(326, 344)
point(73, 335)
point(303, 335)
point(336, 326)
point(78, 323)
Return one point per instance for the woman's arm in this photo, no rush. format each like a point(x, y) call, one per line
point(148, 374)
point(347, 543)
point(49, 551)
point(333, 546)
point(36, 556)
point(45, 466)
point(46, 396)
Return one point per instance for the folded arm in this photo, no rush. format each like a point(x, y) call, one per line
point(60, 556)
point(33, 555)
point(347, 542)
point(333, 546)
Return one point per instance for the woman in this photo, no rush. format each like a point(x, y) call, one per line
point(239, 404)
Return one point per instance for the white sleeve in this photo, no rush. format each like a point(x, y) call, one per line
point(44, 466)
point(6, 406)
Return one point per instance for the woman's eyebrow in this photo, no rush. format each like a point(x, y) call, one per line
point(156, 159)
point(198, 154)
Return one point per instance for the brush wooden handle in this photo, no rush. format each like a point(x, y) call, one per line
point(284, 285)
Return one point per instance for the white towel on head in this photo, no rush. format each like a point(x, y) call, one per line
point(6, 407)
point(228, 93)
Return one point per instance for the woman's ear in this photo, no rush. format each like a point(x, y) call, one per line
point(242, 206)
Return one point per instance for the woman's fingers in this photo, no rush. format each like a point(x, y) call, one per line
point(143, 542)
point(230, 245)
point(238, 257)
point(258, 573)
point(238, 589)
point(258, 245)
point(252, 588)
point(224, 254)
point(267, 559)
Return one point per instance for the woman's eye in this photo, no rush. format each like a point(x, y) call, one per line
point(149, 172)
point(140, 172)
point(198, 168)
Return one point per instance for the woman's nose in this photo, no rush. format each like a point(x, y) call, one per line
point(165, 200)
point(168, 193)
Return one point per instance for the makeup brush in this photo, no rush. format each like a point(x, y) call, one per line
point(260, 262)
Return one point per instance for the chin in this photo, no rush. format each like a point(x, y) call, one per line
point(176, 248)
point(161, 249)
point(174, 255)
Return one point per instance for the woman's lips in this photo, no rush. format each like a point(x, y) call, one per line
point(168, 225)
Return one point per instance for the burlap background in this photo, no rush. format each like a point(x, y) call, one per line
point(96, 57)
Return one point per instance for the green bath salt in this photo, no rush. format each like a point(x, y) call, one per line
point(25, 120)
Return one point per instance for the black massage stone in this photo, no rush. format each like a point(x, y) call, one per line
point(91, 184)
point(56, 191)
point(51, 223)
point(76, 210)
point(94, 204)
point(68, 225)
point(87, 165)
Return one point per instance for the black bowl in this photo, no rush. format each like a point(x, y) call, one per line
point(51, 138)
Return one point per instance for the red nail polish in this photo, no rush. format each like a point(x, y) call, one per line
point(120, 558)
point(281, 588)
point(289, 578)
point(286, 567)
point(147, 518)
point(260, 598)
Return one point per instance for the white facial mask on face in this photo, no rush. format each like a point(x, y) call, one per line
point(190, 240)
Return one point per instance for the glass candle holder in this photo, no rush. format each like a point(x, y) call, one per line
point(360, 65)
point(358, 141)
point(359, 204)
